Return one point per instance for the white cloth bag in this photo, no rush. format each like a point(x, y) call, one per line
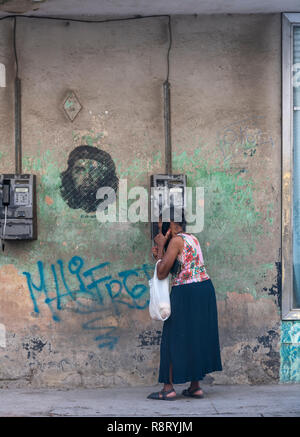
point(159, 305)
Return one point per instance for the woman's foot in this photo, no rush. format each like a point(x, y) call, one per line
point(167, 392)
point(196, 391)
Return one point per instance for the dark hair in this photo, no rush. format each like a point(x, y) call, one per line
point(175, 214)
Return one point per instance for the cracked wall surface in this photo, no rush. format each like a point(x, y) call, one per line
point(74, 303)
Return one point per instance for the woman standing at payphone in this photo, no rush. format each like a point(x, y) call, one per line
point(190, 340)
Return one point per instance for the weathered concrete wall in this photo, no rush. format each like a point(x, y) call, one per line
point(63, 327)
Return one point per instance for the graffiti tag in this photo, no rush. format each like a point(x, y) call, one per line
point(100, 292)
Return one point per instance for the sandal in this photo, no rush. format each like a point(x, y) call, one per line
point(164, 394)
point(191, 393)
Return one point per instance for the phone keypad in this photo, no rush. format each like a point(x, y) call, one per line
point(21, 198)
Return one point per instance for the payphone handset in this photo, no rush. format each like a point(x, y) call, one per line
point(17, 207)
point(166, 191)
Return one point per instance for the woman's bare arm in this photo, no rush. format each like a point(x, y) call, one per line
point(174, 249)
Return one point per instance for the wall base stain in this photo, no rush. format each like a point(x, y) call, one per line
point(275, 289)
point(150, 338)
point(34, 346)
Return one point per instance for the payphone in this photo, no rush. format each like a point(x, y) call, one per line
point(166, 191)
point(17, 207)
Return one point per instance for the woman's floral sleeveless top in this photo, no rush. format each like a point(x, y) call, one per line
point(192, 264)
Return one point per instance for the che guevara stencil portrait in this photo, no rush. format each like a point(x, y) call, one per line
point(89, 169)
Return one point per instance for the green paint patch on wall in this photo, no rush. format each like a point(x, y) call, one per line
point(90, 139)
point(290, 351)
point(233, 226)
point(64, 232)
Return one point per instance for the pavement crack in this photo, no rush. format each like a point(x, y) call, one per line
point(213, 405)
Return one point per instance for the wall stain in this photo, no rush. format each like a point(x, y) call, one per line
point(275, 289)
point(35, 345)
point(149, 338)
point(268, 341)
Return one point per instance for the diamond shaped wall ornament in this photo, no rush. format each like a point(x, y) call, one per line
point(72, 106)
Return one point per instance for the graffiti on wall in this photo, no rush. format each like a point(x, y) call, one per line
point(89, 169)
point(243, 136)
point(91, 291)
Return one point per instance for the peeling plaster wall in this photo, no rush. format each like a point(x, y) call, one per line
point(74, 302)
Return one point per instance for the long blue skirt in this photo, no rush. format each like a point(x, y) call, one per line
point(190, 337)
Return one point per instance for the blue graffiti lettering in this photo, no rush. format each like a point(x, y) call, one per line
point(101, 292)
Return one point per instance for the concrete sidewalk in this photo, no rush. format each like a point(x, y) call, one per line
point(230, 401)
